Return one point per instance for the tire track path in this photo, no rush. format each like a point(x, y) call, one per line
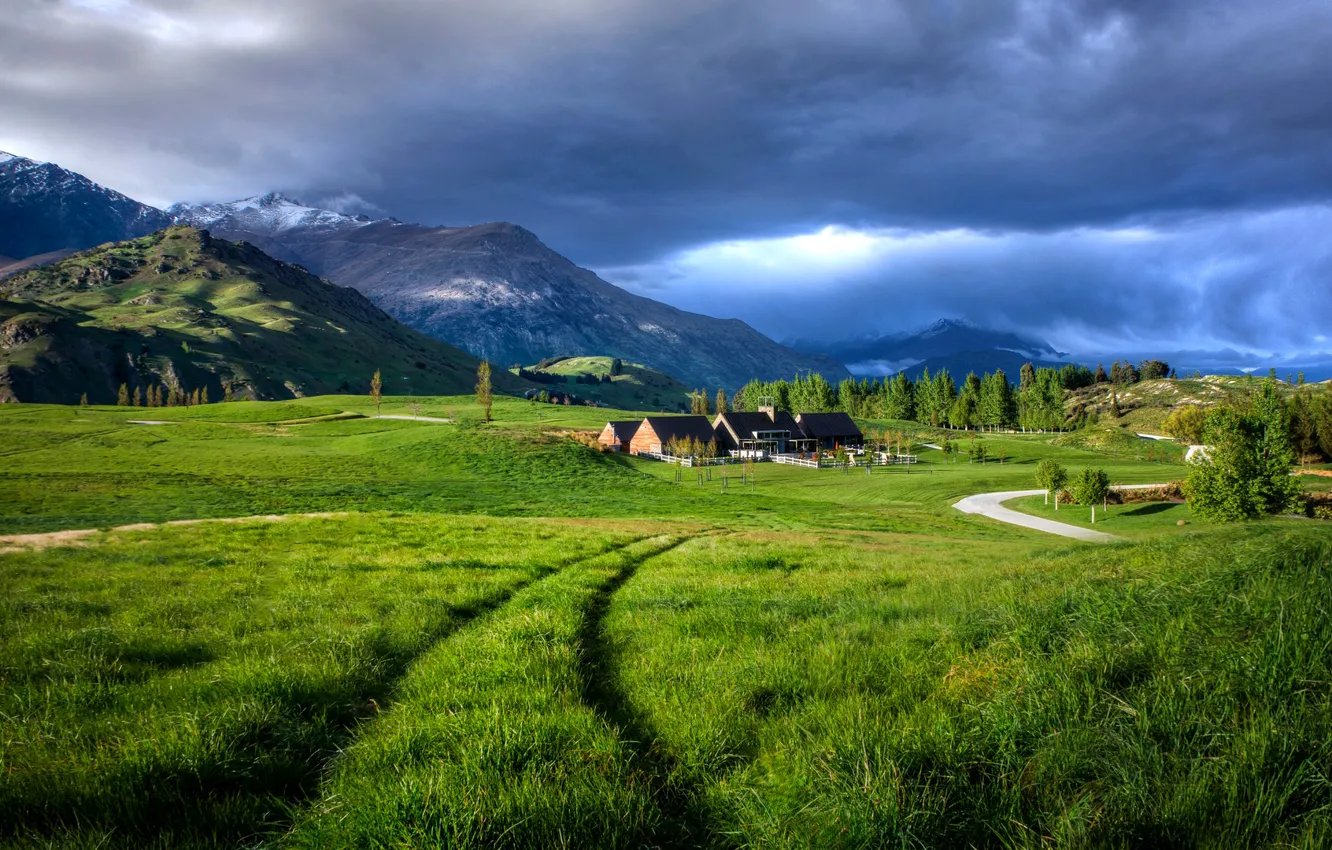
point(683, 823)
point(491, 742)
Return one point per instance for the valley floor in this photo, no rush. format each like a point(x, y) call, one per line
point(506, 639)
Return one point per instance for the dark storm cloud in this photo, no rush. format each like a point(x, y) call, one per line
point(1255, 281)
point(625, 131)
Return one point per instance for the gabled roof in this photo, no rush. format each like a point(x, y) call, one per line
point(735, 427)
point(817, 425)
point(680, 428)
point(624, 430)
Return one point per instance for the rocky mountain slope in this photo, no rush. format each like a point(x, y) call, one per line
point(45, 209)
point(181, 309)
point(954, 344)
point(497, 291)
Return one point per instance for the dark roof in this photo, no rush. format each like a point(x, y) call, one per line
point(680, 427)
point(732, 427)
point(624, 430)
point(828, 425)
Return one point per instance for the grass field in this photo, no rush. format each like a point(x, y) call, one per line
point(1132, 520)
point(504, 639)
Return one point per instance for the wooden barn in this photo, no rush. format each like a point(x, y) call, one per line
point(655, 433)
point(830, 431)
point(617, 436)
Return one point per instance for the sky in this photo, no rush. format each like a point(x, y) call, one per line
point(1130, 176)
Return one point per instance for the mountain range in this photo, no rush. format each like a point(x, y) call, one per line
point(47, 211)
point(497, 291)
point(183, 310)
point(953, 344)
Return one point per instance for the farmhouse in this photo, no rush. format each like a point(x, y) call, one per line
point(769, 430)
point(830, 430)
point(655, 433)
point(617, 436)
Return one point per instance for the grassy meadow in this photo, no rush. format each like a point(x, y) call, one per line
point(497, 637)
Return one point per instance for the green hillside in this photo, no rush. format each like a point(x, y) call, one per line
point(181, 309)
point(637, 387)
point(1144, 405)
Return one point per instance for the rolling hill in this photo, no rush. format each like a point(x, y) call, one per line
point(181, 309)
point(636, 387)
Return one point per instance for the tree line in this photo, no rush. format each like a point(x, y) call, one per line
point(160, 395)
point(981, 401)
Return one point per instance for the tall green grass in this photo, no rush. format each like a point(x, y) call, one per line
point(497, 740)
point(1168, 695)
point(185, 686)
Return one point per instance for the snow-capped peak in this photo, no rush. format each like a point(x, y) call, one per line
point(944, 325)
point(269, 213)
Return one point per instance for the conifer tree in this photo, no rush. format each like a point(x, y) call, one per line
point(203, 395)
point(376, 390)
point(1026, 377)
point(484, 392)
point(138, 397)
point(122, 399)
point(83, 400)
point(722, 404)
point(899, 397)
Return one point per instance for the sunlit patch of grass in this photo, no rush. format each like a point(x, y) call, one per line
point(1177, 693)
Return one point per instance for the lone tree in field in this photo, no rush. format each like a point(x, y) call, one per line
point(83, 400)
point(1051, 476)
point(1245, 471)
point(977, 450)
point(616, 367)
point(1091, 486)
point(377, 390)
point(485, 395)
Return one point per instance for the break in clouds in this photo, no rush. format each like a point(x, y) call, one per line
point(1110, 175)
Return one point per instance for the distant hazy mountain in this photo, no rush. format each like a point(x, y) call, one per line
point(954, 344)
point(46, 209)
point(497, 291)
point(182, 309)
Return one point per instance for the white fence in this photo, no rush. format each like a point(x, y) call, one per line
point(691, 461)
point(886, 459)
point(795, 460)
